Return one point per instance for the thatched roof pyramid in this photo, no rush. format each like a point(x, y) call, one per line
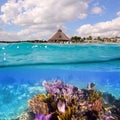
point(59, 37)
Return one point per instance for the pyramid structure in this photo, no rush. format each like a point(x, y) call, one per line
point(59, 37)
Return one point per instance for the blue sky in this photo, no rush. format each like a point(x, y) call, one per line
point(35, 19)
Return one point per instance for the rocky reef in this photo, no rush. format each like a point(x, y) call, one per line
point(67, 102)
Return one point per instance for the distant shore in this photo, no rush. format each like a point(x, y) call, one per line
point(37, 41)
point(31, 41)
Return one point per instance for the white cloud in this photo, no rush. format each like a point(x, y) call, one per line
point(1, 29)
point(118, 13)
point(104, 29)
point(37, 15)
point(23, 35)
point(96, 10)
point(29, 12)
point(10, 10)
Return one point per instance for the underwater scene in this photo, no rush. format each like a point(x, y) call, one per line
point(59, 81)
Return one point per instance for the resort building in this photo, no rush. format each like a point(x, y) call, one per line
point(110, 40)
point(118, 39)
point(59, 37)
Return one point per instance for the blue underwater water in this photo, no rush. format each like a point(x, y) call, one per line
point(23, 67)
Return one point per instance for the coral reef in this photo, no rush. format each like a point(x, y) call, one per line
point(66, 102)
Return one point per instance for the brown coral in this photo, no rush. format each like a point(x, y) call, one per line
point(97, 105)
point(38, 104)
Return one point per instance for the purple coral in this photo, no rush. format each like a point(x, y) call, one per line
point(43, 117)
point(59, 88)
point(109, 118)
point(53, 88)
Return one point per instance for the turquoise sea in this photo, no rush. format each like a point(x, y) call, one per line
point(23, 67)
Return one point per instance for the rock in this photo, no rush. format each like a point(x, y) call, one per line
point(27, 116)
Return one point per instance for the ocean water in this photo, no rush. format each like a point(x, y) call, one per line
point(24, 66)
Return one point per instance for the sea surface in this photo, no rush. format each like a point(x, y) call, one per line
point(24, 66)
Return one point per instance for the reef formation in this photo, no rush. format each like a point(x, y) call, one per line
point(67, 102)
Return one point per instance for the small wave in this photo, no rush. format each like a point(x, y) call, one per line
point(61, 63)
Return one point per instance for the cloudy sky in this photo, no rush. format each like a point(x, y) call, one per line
point(39, 19)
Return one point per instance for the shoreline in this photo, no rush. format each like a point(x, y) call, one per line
point(45, 42)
